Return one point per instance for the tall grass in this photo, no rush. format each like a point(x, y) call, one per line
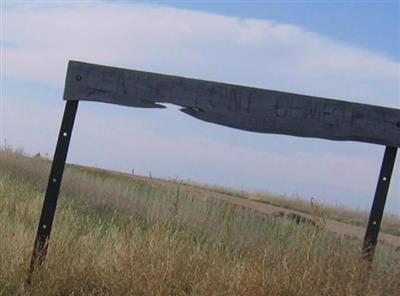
point(128, 236)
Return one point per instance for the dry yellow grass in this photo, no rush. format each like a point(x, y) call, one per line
point(119, 236)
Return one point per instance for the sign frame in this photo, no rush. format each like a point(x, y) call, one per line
point(221, 103)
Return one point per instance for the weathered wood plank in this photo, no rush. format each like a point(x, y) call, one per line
point(240, 107)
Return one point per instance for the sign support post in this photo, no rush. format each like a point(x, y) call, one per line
point(53, 188)
point(378, 206)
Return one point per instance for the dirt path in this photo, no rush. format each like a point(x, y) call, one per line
point(338, 227)
point(267, 209)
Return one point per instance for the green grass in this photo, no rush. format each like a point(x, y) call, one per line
point(115, 235)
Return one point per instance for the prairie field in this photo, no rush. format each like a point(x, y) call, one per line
point(116, 234)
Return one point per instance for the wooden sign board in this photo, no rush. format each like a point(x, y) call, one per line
point(245, 108)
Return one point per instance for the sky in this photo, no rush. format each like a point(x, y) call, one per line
point(341, 50)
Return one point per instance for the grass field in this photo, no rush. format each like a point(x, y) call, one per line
point(119, 235)
point(390, 223)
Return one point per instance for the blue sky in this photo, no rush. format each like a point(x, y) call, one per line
point(339, 50)
point(369, 24)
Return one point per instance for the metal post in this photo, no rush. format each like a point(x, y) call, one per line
point(53, 187)
point(375, 217)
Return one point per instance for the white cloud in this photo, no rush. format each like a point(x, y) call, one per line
point(200, 45)
point(197, 44)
